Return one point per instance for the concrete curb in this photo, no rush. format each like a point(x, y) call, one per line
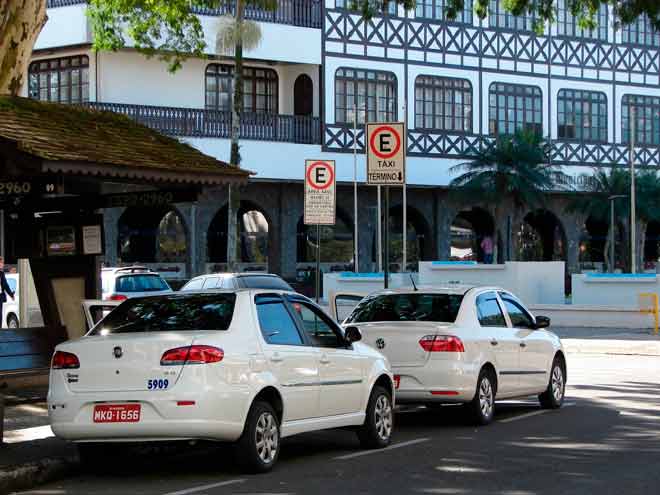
point(621, 347)
point(31, 474)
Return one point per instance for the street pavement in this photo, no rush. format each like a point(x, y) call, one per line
point(605, 440)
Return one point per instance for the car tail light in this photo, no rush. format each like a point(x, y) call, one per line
point(193, 354)
point(117, 297)
point(441, 343)
point(65, 361)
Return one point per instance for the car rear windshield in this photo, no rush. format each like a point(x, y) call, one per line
point(174, 313)
point(141, 283)
point(264, 282)
point(407, 307)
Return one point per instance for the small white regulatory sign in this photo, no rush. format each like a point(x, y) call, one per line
point(320, 192)
point(386, 154)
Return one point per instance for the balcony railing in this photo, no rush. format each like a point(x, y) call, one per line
point(305, 13)
point(196, 122)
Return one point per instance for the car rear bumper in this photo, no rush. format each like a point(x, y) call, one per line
point(438, 381)
point(213, 414)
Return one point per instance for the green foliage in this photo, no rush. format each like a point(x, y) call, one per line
point(167, 28)
point(546, 10)
point(616, 181)
point(515, 166)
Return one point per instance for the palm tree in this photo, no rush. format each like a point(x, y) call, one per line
point(514, 167)
point(236, 34)
point(616, 182)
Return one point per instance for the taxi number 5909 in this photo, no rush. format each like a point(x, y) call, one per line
point(158, 384)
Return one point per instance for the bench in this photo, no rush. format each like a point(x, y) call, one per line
point(24, 358)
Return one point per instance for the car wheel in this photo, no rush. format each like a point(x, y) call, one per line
point(12, 321)
point(482, 406)
point(553, 397)
point(259, 446)
point(376, 432)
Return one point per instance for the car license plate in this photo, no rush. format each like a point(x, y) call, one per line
point(397, 381)
point(117, 413)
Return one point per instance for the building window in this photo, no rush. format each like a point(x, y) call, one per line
point(647, 119)
point(372, 93)
point(640, 32)
point(567, 24)
point(513, 107)
point(437, 9)
point(259, 89)
point(443, 103)
point(61, 80)
point(498, 17)
point(377, 5)
point(582, 115)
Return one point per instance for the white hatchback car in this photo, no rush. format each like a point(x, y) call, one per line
point(246, 366)
point(119, 284)
point(462, 345)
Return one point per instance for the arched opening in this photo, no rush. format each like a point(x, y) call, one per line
point(652, 245)
point(151, 235)
point(592, 244)
point(541, 238)
point(336, 243)
point(418, 242)
point(469, 232)
point(253, 231)
point(303, 95)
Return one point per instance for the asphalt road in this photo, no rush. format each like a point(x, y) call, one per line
point(605, 440)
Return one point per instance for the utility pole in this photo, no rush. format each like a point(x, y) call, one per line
point(356, 265)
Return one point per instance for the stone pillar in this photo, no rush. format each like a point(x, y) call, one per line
point(290, 208)
point(111, 227)
point(445, 214)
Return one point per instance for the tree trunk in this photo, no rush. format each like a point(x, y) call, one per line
point(641, 241)
point(608, 262)
point(20, 24)
point(234, 199)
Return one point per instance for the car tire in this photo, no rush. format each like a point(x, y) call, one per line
point(553, 397)
point(259, 445)
point(12, 321)
point(376, 432)
point(482, 406)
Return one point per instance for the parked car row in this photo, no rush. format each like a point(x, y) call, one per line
point(254, 365)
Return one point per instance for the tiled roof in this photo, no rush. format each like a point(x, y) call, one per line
point(79, 140)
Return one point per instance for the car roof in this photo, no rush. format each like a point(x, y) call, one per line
point(236, 275)
point(459, 289)
point(129, 270)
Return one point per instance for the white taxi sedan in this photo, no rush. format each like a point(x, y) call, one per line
point(246, 366)
point(468, 345)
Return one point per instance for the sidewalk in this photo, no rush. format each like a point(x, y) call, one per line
point(32, 456)
point(641, 342)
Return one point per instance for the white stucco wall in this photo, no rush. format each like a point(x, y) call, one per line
point(66, 26)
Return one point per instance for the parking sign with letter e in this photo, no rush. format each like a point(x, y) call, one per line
point(320, 192)
point(386, 154)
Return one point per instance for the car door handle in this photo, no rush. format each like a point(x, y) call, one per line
point(276, 358)
point(522, 344)
point(324, 360)
point(494, 342)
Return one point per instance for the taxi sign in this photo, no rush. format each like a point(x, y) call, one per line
point(320, 192)
point(386, 154)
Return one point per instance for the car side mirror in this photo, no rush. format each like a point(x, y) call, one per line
point(542, 322)
point(353, 334)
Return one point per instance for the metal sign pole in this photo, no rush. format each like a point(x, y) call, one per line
point(379, 231)
point(356, 265)
point(633, 247)
point(387, 237)
point(318, 262)
point(405, 207)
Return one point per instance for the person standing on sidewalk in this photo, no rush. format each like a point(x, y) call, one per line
point(487, 247)
point(4, 286)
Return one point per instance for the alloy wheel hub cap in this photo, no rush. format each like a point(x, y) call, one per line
point(267, 437)
point(383, 413)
